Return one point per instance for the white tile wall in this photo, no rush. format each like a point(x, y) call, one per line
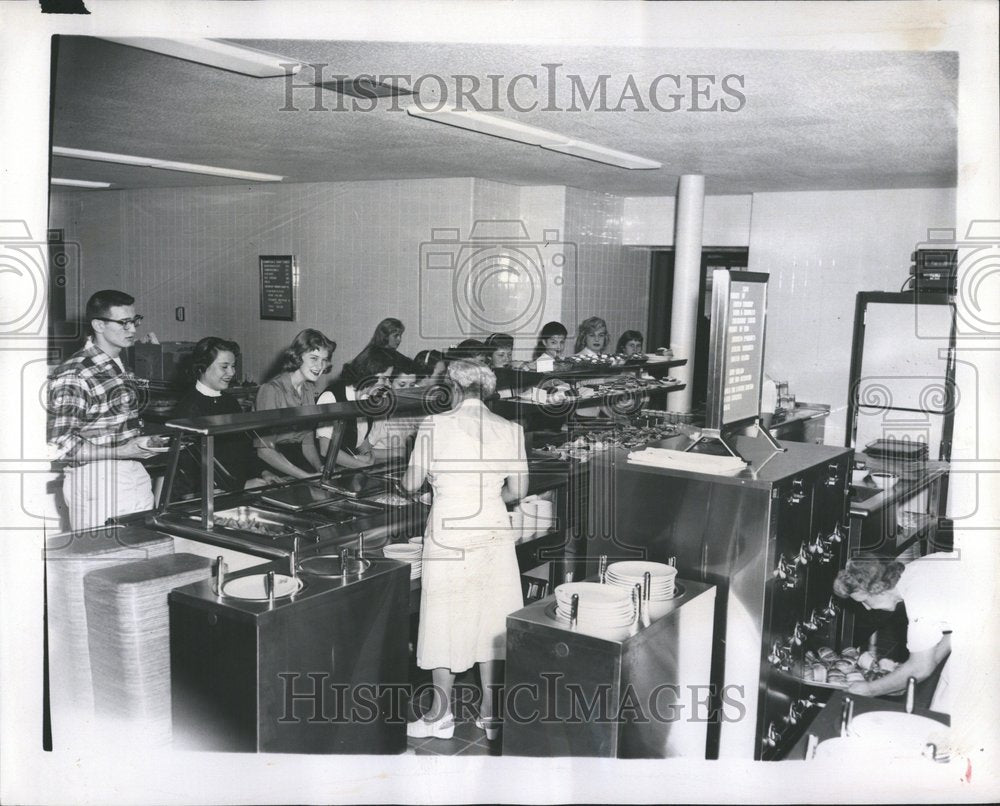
point(358, 246)
point(649, 221)
point(821, 249)
point(612, 280)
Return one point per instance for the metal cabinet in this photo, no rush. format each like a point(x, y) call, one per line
point(321, 671)
point(771, 540)
point(569, 693)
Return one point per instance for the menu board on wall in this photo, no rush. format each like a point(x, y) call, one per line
point(277, 287)
point(736, 358)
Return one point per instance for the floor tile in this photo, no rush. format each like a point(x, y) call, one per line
point(442, 747)
point(474, 749)
point(468, 731)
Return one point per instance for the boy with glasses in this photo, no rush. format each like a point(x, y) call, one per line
point(94, 424)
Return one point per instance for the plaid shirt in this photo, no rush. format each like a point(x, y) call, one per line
point(92, 399)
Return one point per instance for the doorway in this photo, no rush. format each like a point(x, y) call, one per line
point(661, 295)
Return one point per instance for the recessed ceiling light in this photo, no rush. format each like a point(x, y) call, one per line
point(79, 183)
point(167, 165)
point(215, 53)
point(532, 135)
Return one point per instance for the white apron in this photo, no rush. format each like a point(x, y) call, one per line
point(470, 580)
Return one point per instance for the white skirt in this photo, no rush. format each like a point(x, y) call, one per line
point(466, 596)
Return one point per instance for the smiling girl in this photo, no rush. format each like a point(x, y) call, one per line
point(294, 453)
point(213, 367)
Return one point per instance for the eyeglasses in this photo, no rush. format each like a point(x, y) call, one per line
point(135, 321)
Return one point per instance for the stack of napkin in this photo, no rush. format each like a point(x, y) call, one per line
point(680, 460)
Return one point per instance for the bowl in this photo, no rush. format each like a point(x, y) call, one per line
point(884, 481)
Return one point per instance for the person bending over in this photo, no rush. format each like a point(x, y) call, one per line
point(929, 588)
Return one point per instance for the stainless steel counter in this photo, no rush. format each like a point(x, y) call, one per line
point(771, 538)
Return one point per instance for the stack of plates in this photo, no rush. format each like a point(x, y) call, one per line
point(626, 575)
point(408, 553)
point(128, 626)
point(602, 610)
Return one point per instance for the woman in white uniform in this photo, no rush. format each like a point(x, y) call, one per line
point(476, 464)
point(929, 587)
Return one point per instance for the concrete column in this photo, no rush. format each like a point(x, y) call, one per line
point(687, 278)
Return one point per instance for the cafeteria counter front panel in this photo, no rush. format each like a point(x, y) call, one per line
point(322, 671)
point(644, 695)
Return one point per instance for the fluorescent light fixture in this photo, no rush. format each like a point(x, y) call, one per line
point(216, 53)
point(589, 151)
point(532, 135)
point(364, 87)
point(79, 183)
point(491, 124)
point(167, 165)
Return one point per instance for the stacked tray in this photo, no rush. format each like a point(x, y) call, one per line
point(69, 558)
point(408, 553)
point(128, 626)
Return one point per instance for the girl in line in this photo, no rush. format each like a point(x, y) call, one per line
point(592, 337)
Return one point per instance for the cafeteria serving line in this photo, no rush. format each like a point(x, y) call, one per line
point(473, 537)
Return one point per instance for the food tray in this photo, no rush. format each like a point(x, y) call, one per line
point(256, 521)
point(873, 672)
point(837, 686)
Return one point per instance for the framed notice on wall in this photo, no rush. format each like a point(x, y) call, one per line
point(277, 287)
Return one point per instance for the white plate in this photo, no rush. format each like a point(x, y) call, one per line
point(631, 581)
point(617, 617)
point(252, 587)
point(594, 591)
point(842, 747)
point(396, 550)
point(638, 568)
point(143, 442)
point(905, 733)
